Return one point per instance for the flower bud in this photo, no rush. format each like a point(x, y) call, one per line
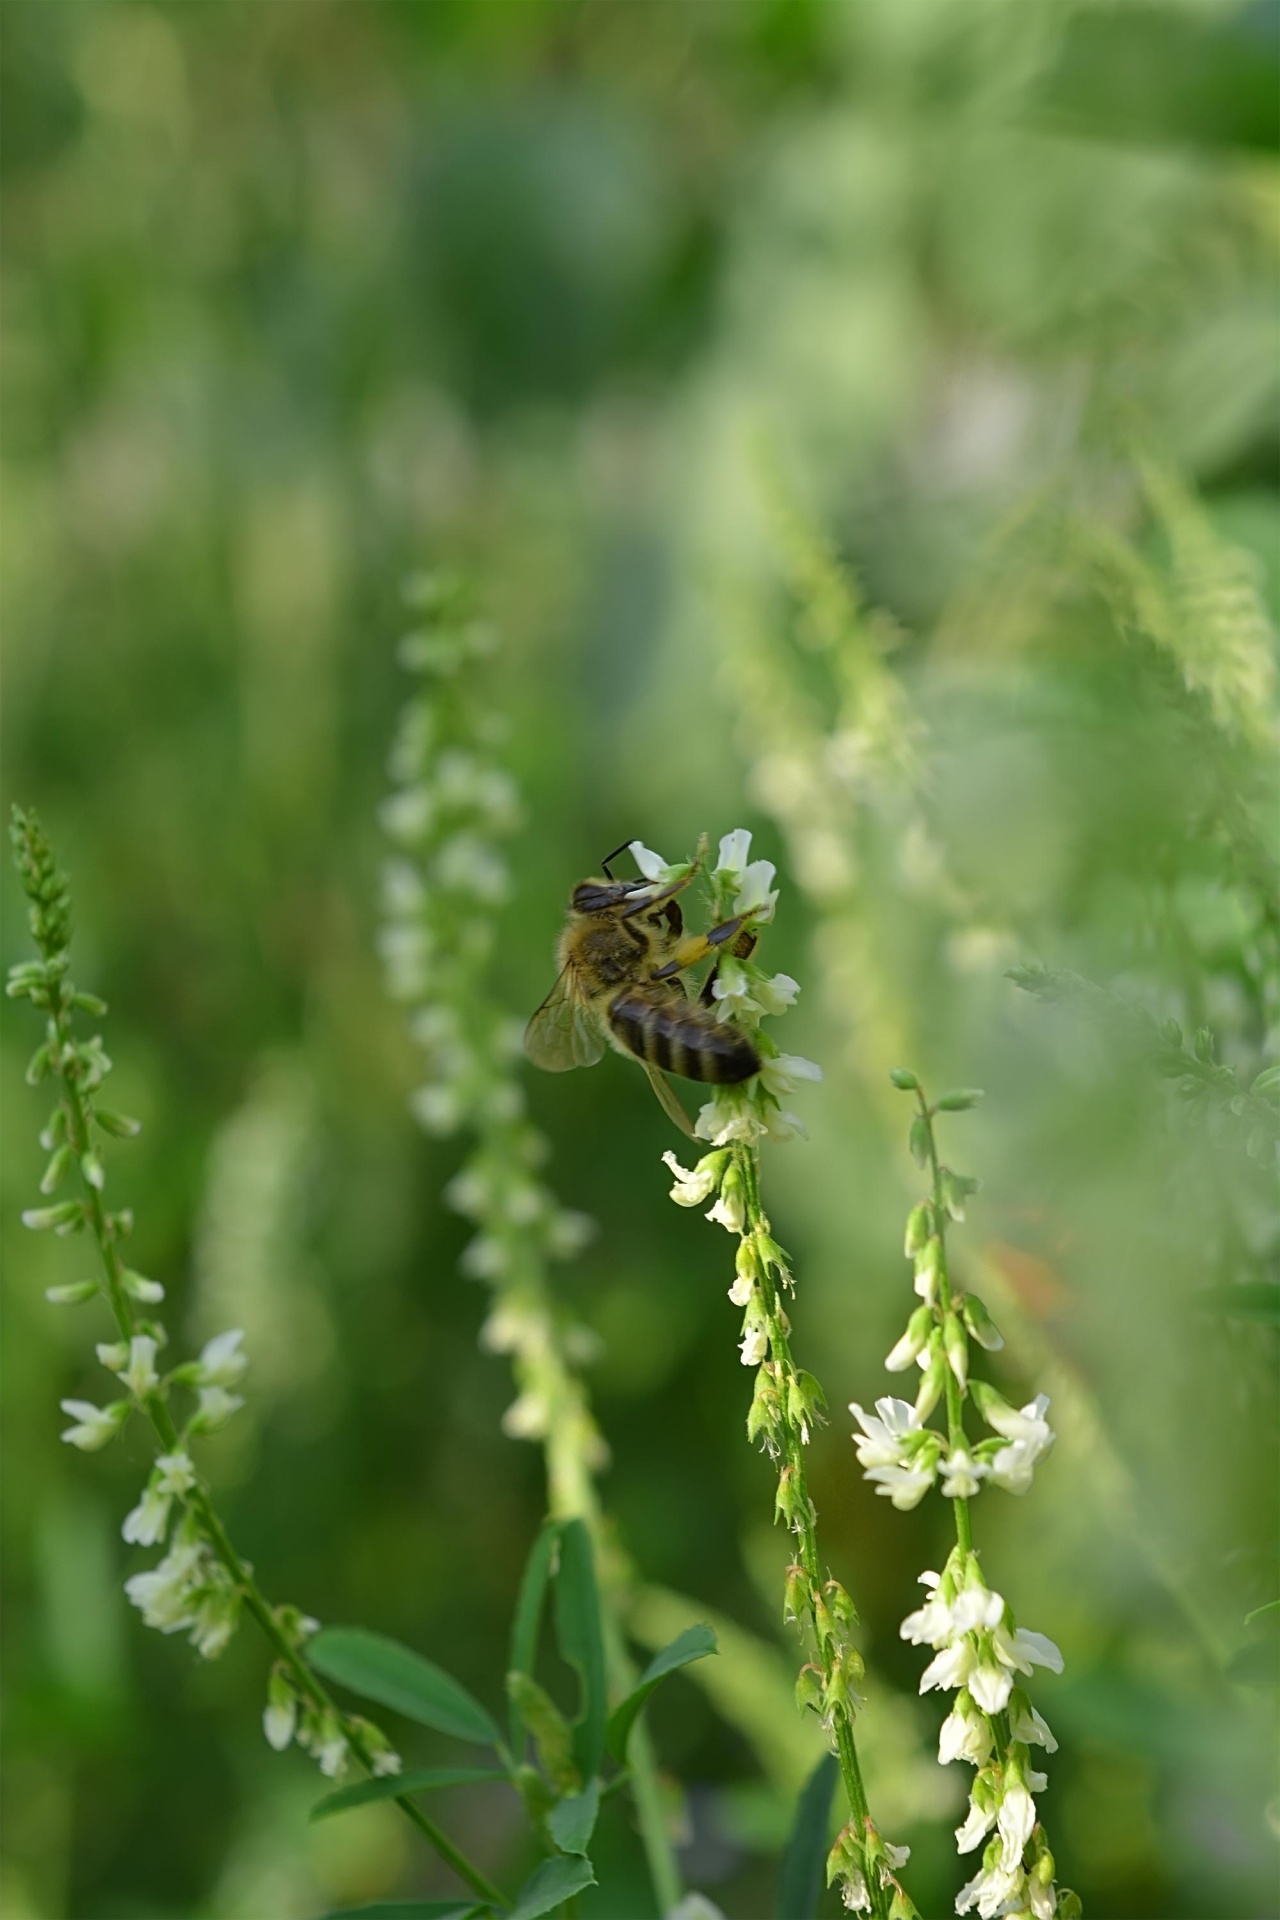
point(55, 1172)
point(956, 1347)
point(73, 1294)
point(956, 1187)
point(843, 1611)
point(122, 1125)
point(903, 1079)
point(809, 1685)
point(957, 1100)
point(796, 1594)
point(150, 1292)
point(67, 1214)
point(928, 1262)
point(920, 1140)
point(991, 1405)
point(980, 1324)
point(931, 1384)
point(280, 1716)
point(917, 1229)
point(913, 1342)
point(764, 1417)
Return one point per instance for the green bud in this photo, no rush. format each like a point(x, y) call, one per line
point(796, 1597)
point(92, 1169)
point(1069, 1905)
point(809, 1685)
point(66, 1214)
point(73, 1294)
point(980, 1324)
point(120, 1225)
point(772, 1255)
point(56, 1131)
point(956, 1187)
point(55, 1172)
point(958, 1100)
point(551, 1732)
point(903, 1079)
point(120, 1124)
point(148, 1291)
point(902, 1906)
point(1203, 1045)
point(789, 1503)
point(824, 1622)
point(931, 1383)
point(956, 1347)
point(843, 1611)
point(988, 1402)
point(805, 1398)
point(38, 1066)
point(88, 1002)
point(918, 1140)
point(917, 1229)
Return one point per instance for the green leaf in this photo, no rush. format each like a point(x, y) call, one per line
point(801, 1881)
point(1249, 1300)
point(397, 1677)
point(1257, 1664)
point(410, 1910)
point(581, 1639)
point(390, 1786)
point(1268, 1606)
point(572, 1821)
point(551, 1884)
point(692, 1644)
point(528, 1617)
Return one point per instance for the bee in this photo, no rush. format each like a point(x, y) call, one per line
point(620, 960)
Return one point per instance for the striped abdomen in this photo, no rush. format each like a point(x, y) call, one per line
point(681, 1037)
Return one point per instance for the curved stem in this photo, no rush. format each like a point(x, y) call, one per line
point(211, 1526)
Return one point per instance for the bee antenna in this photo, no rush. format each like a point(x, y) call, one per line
point(613, 856)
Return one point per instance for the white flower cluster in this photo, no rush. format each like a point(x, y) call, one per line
point(753, 1109)
point(188, 1589)
point(322, 1732)
point(978, 1651)
point(451, 807)
point(903, 1457)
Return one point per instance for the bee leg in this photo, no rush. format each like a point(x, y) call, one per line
point(743, 947)
point(701, 946)
point(674, 918)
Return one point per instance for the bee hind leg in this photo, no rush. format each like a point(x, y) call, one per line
point(702, 946)
point(743, 947)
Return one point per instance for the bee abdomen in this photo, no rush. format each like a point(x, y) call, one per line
point(678, 1037)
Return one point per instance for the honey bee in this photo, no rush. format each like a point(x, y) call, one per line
point(620, 959)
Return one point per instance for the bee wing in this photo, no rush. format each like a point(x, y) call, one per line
point(666, 1095)
point(564, 1032)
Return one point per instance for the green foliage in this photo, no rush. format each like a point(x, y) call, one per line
point(379, 1669)
point(801, 1879)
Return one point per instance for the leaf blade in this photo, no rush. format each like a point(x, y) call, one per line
point(527, 1620)
point(800, 1883)
point(390, 1786)
point(551, 1884)
point(395, 1676)
point(581, 1638)
point(572, 1821)
point(693, 1644)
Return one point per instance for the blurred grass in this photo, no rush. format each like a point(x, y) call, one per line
point(669, 323)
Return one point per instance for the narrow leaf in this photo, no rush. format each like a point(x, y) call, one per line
point(1268, 1606)
point(527, 1623)
point(581, 1639)
point(390, 1786)
point(551, 1884)
point(800, 1884)
point(409, 1910)
point(397, 1677)
point(572, 1821)
point(692, 1644)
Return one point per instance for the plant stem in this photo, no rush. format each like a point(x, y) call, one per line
point(157, 1411)
point(955, 1405)
point(805, 1525)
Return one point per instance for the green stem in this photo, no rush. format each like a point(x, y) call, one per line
point(157, 1411)
point(955, 1401)
point(747, 1160)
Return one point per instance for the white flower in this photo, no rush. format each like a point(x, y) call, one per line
point(221, 1361)
point(954, 1666)
point(990, 1683)
point(978, 1824)
point(693, 1185)
point(965, 1734)
point(930, 1625)
point(756, 893)
point(1027, 1423)
point(977, 1606)
point(854, 1892)
point(94, 1425)
point(146, 1523)
point(741, 1290)
point(990, 1889)
point(654, 867)
point(735, 850)
point(742, 992)
point(732, 1114)
point(904, 1486)
point(882, 1445)
point(331, 1752)
point(1026, 1725)
point(216, 1613)
point(908, 1348)
point(780, 1074)
point(1024, 1650)
point(1016, 1818)
point(164, 1594)
point(385, 1761)
point(527, 1418)
point(113, 1354)
point(962, 1474)
point(730, 1210)
point(754, 1346)
point(895, 1857)
point(215, 1408)
point(280, 1715)
point(140, 1375)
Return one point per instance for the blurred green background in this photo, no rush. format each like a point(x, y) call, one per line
point(860, 419)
